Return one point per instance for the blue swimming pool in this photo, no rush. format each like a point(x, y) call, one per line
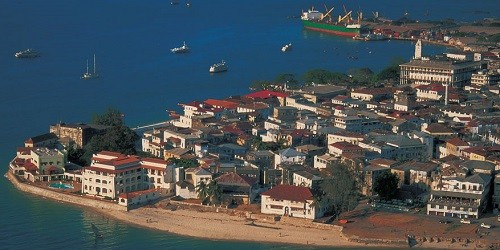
point(61, 186)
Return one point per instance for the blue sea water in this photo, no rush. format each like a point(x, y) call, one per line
point(139, 76)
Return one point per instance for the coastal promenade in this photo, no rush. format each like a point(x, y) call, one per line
point(63, 196)
point(228, 224)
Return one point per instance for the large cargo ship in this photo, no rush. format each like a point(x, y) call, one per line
point(343, 26)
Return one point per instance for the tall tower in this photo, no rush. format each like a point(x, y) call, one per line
point(418, 50)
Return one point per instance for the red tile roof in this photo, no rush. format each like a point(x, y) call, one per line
point(457, 142)
point(132, 195)
point(222, 103)
point(289, 192)
point(346, 146)
point(234, 179)
point(266, 94)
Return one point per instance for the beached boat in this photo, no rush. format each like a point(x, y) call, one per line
point(90, 75)
point(344, 26)
point(218, 67)
point(29, 53)
point(182, 49)
point(286, 48)
point(371, 37)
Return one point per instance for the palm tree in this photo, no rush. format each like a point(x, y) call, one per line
point(203, 191)
point(214, 191)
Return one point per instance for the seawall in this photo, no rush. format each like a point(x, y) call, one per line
point(69, 198)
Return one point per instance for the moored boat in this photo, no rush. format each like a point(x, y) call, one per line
point(344, 26)
point(218, 67)
point(29, 53)
point(287, 47)
point(182, 49)
point(89, 75)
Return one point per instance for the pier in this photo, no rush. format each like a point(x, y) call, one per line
point(154, 125)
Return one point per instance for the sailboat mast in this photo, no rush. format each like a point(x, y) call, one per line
point(94, 64)
point(87, 66)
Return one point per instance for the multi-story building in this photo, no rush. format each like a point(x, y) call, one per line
point(292, 201)
point(45, 140)
point(39, 164)
point(111, 174)
point(442, 70)
point(78, 132)
point(357, 124)
point(484, 77)
point(459, 197)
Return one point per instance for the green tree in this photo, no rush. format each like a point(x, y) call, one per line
point(185, 163)
point(386, 185)
point(202, 190)
point(391, 72)
point(363, 76)
point(260, 85)
point(120, 139)
point(340, 190)
point(288, 79)
point(214, 192)
point(321, 76)
point(112, 117)
point(75, 155)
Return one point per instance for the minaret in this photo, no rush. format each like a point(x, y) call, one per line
point(418, 50)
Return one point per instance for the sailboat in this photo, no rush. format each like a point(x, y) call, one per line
point(88, 75)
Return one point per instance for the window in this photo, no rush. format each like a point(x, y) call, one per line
point(104, 182)
point(97, 181)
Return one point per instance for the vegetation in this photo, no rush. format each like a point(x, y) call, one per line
point(289, 80)
point(75, 156)
point(386, 185)
point(112, 117)
point(322, 76)
point(214, 192)
point(340, 191)
point(117, 137)
point(202, 190)
point(258, 144)
point(211, 192)
point(185, 163)
point(358, 77)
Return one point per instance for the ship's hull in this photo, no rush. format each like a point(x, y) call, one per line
point(331, 28)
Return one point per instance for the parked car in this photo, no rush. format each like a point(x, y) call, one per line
point(444, 221)
point(465, 221)
point(486, 225)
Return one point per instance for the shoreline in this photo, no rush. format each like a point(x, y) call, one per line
point(210, 225)
point(221, 226)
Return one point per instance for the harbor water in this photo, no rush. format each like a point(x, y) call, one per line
point(142, 78)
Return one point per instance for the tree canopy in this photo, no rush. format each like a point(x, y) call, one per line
point(322, 76)
point(112, 117)
point(340, 192)
point(117, 137)
point(386, 185)
point(185, 163)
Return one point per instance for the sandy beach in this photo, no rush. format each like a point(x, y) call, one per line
point(221, 226)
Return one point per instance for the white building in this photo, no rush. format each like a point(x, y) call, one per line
point(111, 174)
point(459, 197)
point(288, 200)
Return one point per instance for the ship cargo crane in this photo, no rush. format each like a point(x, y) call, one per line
point(348, 16)
point(327, 13)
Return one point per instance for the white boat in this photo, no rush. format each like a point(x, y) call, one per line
point(287, 47)
point(90, 75)
point(29, 53)
point(218, 67)
point(182, 49)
